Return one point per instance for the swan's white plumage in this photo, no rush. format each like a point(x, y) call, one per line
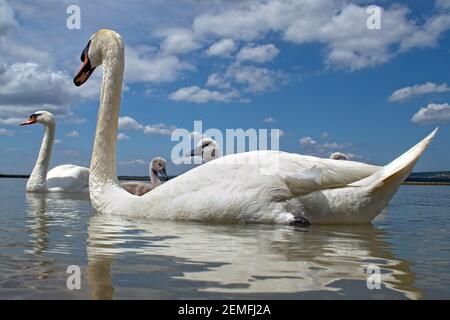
point(68, 178)
point(64, 178)
point(259, 186)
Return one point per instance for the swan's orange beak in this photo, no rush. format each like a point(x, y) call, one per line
point(31, 120)
point(85, 70)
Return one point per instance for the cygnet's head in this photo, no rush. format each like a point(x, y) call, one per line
point(338, 156)
point(207, 148)
point(159, 165)
point(43, 117)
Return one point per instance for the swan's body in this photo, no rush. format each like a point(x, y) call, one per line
point(157, 165)
point(64, 178)
point(258, 186)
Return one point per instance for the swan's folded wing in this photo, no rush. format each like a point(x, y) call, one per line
point(68, 178)
point(327, 174)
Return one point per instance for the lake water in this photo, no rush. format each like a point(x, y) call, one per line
point(120, 258)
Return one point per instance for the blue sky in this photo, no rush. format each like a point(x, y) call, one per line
point(309, 68)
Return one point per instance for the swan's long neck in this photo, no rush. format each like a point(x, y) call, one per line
point(103, 162)
point(154, 179)
point(37, 180)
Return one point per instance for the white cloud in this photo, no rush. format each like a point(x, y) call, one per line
point(428, 34)
point(145, 64)
point(338, 25)
point(178, 41)
point(222, 48)
point(159, 129)
point(137, 162)
point(122, 136)
point(198, 95)
point(315, 148)
point(255, 79)
point(269, 120)
point(57, 141)
point(28, 87)
point(260, 54)
point(433, 113)
point(128, 123)
point(417, 90)
point(73, 134)
point(11, 121)
point(6, 132)
point(218, 81)
point(324, 135)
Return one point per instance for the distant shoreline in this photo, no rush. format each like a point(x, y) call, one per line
point(440, 178)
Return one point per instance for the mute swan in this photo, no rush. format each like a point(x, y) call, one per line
point(259, 186)
point(64, 178)
point(207, 148)
point(338, 156)
point(157, 165)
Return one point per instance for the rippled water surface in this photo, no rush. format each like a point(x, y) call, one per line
point(120, 258)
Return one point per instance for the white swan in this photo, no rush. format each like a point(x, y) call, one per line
point(64, 178)
point(258, 186)
point(206, 148)
point(157, 166)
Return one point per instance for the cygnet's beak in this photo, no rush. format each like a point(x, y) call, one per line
point(163, 174)
point(195, 152)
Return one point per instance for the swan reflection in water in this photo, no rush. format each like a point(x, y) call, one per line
point(53, 223)
point(162, 259)
point(224, 260)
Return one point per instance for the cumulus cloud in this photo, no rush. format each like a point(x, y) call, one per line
point(128, 123)
point(325, 149)
point(338, 25)
point(159, 129)
point(178, 41)
point(122, 136)
point(433, 113)
point(255, 79)
point(198, 95)
point(260, 54)
point(6, 132)
point(146, 64)
point(418, 90)
point(28, 87)
point(73, 134)
point(223, 47)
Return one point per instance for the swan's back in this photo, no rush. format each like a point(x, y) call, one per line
point(68, 178)
point(248, 186)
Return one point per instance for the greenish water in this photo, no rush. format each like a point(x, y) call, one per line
point(120, 258)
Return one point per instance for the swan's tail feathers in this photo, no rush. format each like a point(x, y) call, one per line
point(377, 190)
point(399, 169)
